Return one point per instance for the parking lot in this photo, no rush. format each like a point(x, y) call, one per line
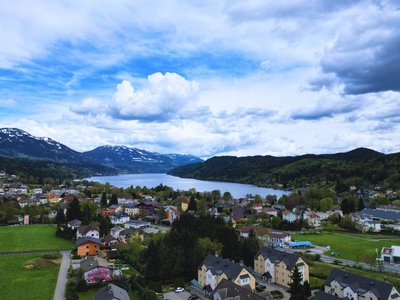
point(177, 296)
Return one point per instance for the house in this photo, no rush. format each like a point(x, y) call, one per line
point(227, 290)
point(93, 263)
point(391, 255)
point(119, 218)
point(185, 204)
point(344, 284)
point(131, 209)
point(24, 202)
point(113, 254)
point(87, 246)
point(270, 211)
point(290, 216)
point(108, 212)
point(125, 234)
point(114, 232)
point(109, 240)
point(74, 224)
point(88, 230)
point(321, 295)
point(267, 235)
point(382, 214)
point(137, 224)
point(111, 292)
point(213, 269)
point(314, 219)
point(172, 214)
point(53, 213)
point(148, 207)
point(277, 266)
point(238, 212)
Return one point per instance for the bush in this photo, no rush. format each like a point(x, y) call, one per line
point(52, 256)
point(276, 294)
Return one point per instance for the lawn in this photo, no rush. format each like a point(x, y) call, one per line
point(31, 237)
point(22, 279)
point(355, 247)
point(321, 270)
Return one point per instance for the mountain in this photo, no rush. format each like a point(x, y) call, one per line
point(134, 160)
point(359, 167)
point(16, 143)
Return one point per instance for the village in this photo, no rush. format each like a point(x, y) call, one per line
point(282, 255)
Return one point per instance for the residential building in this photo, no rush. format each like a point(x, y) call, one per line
point(115, 231)
point(267, 236)
point(227, 290)
point(290, 216)
point(131, 209)
point(93, 263)
point(277, 266)
point(270, 211)
point(172, 214)
point(74, 224)
point(137, 224)
point(87, 246)
point(88, 230)
point(344, 284)
point(119, 218)
point(213, 269)
point(111, 292)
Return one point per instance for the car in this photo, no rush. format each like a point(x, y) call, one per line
point(193, 297)
point(179, 289)
point(261, 286)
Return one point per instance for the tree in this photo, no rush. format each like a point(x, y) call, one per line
point(60, 217)
point(307, 289)
point(74, 210)
point(161, 214)
point(361, 204)
point(113, 200)
point(103, 199)
point(192, 204)
point(296, 288)
point(148, 295)
point(99, 275)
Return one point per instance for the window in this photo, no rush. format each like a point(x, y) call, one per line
point(87, 247)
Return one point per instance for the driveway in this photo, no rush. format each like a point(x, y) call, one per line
point(59, 293)
point(177, 296)
point(274, 287)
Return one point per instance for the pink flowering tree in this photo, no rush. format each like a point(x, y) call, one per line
point(98, 275)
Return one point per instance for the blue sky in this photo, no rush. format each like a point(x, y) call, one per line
point(205, 77)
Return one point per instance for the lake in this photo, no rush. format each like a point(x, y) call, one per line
point(237, 190)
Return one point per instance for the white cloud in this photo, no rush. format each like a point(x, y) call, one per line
point(8, 103)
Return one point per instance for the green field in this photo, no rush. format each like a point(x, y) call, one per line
point(18, 281)
point(31, 237)
point(355, 247)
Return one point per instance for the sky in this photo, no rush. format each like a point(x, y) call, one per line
point(204, 77)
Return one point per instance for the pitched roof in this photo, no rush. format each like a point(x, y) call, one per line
point(359, 283)
point(86, 228)
point(87, 239)
point(219, 265)
point(92, 263)
point(321, 295)
point(229, 290)
point(110, 292)
point(276, 256)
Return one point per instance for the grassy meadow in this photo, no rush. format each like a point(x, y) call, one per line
point(355, 247)
point(31, 237)
point(27, 277)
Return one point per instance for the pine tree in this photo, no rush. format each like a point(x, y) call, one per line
point(296, 288)
point(60, 217)
point(104, 199)
point(192, 204)
point(113, 200)
point(361, 204)
point(307, 289)
point(74, 210)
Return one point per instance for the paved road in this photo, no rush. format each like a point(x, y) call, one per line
point(59, 293)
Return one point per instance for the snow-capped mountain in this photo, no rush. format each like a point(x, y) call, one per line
point(138, 160)
point(16, 143)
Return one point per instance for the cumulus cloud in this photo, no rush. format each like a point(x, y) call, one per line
point(88, 106)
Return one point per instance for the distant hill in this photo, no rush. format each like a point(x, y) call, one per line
point(19, 148)
point(360, 167)
point(137, 160)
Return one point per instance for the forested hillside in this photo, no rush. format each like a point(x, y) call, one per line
point(360, 167)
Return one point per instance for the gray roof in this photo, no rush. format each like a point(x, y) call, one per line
point(321, 295)
point(381, 289)
point(382, 214)
point(87, 239)
point(219, 265)
point(229, 290)
point(92, 263)
point(276, 256)
point(110, 292)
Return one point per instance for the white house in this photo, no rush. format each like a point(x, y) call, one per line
point(88, 230)
point(119, 218)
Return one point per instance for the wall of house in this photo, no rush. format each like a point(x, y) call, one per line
point(201, 275)
point(305, 270)
point(282, 276)
point(259, 265)
point(88, 249)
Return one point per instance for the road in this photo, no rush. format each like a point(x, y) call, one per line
point(59, 293)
